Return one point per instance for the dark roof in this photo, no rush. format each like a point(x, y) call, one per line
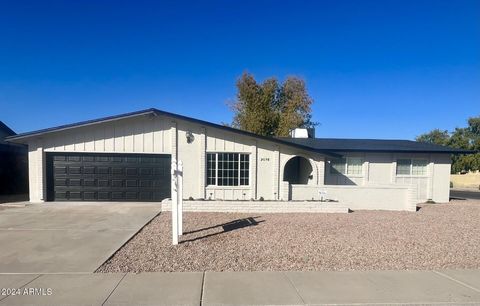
point(373, 145)
point(4, 127)
point(155, 111)
point(328, 146)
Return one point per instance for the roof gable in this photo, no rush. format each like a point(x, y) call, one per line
point(5, 129)
point(154, 111)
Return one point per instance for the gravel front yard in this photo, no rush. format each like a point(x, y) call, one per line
point(439, 236)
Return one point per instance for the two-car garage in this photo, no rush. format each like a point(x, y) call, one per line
point(107, 177)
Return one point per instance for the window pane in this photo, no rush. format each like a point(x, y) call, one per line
point(403, 166)
point(233, 169)
point(228, 164)
point(244, 169)
point(419, 167)
point(354, 165)
point(337, 166)
point(211, 169)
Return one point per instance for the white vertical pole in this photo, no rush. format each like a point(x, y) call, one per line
point(174, 203)
point(180, 197)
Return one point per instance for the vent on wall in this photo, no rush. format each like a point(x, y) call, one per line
point(302, 133)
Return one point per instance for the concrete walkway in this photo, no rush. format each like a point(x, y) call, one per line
point(452, 287)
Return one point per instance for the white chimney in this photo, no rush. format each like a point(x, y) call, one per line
point(302, 133)
point(299, 133)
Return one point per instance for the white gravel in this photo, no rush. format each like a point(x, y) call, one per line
point(439, 236)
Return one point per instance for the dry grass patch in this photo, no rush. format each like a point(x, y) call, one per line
point(439, 236)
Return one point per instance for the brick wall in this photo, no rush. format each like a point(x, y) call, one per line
point(259, 206)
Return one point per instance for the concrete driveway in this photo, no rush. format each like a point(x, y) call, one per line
point(67, 237)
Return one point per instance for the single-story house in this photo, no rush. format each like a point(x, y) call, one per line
point(128, 157)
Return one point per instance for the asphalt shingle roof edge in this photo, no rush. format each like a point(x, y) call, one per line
point(154, 111)
point(375, 145)
point(309, 144)
point(6, 128)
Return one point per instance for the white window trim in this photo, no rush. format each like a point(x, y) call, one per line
point(239, 172)
point(411, 168)
point(361, 166)
point(346, 168)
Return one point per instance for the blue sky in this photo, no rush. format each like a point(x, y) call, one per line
point(376, 69)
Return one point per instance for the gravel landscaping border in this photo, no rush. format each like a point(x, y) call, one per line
point(438, 236)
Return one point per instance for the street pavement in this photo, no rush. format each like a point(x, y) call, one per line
point(467, 194)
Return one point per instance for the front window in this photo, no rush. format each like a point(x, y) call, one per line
point(228, 169)
point(211, 169)
point(354, 165)
point(349, 166)
point(412, 166)
point(337, 166)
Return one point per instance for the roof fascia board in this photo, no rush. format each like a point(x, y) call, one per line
point(22, 136)
point(14, 138)
point(249, 134)
point(405, 151)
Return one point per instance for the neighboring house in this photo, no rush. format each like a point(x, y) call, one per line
point(13, 166)
point(128, 157)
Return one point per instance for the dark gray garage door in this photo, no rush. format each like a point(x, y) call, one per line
point(107, 177)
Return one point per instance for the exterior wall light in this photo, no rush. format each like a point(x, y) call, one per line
point(190, 137)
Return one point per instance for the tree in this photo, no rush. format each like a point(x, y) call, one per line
point(467, 138)
point(294, 106)
point(253, 109)
point(271, 108)
point(435, 136)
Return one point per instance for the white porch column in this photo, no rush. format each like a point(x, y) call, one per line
point(202, 162)
point(253, 169)
point(36, 172)
point(321, 171)
point(393, 170)
point(366, 167)
point(430, 171)
point(174, 139)
point(276, 173)
point(285, 189)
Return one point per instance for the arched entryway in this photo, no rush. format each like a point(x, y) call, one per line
point(298, 170)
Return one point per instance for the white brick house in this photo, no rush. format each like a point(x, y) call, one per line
point(127, 158)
